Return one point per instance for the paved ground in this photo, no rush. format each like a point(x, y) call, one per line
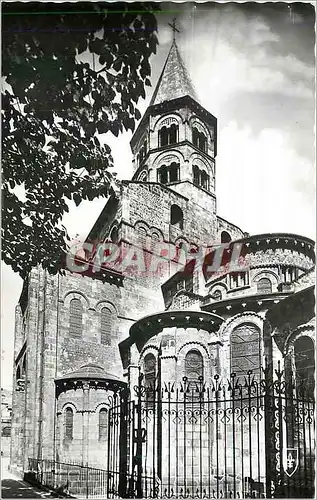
point(13, 487)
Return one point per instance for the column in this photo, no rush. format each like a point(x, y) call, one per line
point(86, 410)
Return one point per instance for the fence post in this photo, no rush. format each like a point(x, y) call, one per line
point(138, 454)
point(123, 440)
point(87, 482)
point(269, 429)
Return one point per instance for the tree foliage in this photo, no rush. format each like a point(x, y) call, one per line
point(71, 73)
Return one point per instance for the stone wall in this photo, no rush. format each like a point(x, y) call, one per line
point(152, 203)
point(85, 447)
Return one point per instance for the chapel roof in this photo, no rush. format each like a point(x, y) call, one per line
point(90, 371)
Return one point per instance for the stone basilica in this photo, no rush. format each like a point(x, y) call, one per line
point(84, 345)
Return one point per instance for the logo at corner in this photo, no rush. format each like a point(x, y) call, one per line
point(290, 461)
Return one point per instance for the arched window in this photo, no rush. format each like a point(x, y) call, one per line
point(202, 142)
point(75, 318)
point(195, 137)
point(162, 175)
point(167, 174)
point(69, 424)
point(168, 135)
point(149, 376)
point(6, 431)
point(225, 237)
point(114, 235)
point(106, 320)
point(199, 139)
point(142, 155)
point(155, 238)
point(143, 177)
point(103, 424)
point(245, 350)
point(163, 137)
point(194, 372)
point(264, 285)
point(174, 172)
point(142, 236)
point(217, 295)
point(304, 357)
point(173, 132)
point(196, 175)
point(177, 218)
point(204, 180)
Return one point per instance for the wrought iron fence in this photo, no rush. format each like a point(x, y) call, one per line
point(240, 438)
point(73, 479)
point(246, 437)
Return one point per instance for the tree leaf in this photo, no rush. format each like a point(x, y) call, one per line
point(57, 104)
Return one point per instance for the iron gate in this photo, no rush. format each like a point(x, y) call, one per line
point(247, 438)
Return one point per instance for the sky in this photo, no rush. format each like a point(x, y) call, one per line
point(252, 65)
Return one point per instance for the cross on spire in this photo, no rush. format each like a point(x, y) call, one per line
point(173, 26)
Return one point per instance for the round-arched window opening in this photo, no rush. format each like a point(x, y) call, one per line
point(205, 180)
point(103, 427)
point(174, 172)
point(162, 174)
point(155, 238)
point(304, 355)
point(194, 372)
point(75, 318)
point(245, 351)
point(177, 218)
point(196, 175)
point(114, 235)
point(163, 136)
point(142, 235)
point(143, 177)
point(264, 285)
point(149, 367)
point(6, 431)
point(69, 424)
point(173, 133)
point(106, 325)
point(225, 237)
point(217, 295)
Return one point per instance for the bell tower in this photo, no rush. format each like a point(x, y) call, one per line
point(175, 143)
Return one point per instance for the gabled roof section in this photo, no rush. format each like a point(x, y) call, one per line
point(174, 81)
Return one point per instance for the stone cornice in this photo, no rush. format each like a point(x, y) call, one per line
point(185, 142)
point(244, 302)
point(64, 385)
point(149, 326)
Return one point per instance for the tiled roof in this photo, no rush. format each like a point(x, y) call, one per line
point(174, 81)
point(90, 371)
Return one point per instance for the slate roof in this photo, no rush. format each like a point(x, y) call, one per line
point(174, 81)
point(89, 371)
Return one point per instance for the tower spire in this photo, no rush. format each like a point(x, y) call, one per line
point(174, 81)
point(173, 26)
